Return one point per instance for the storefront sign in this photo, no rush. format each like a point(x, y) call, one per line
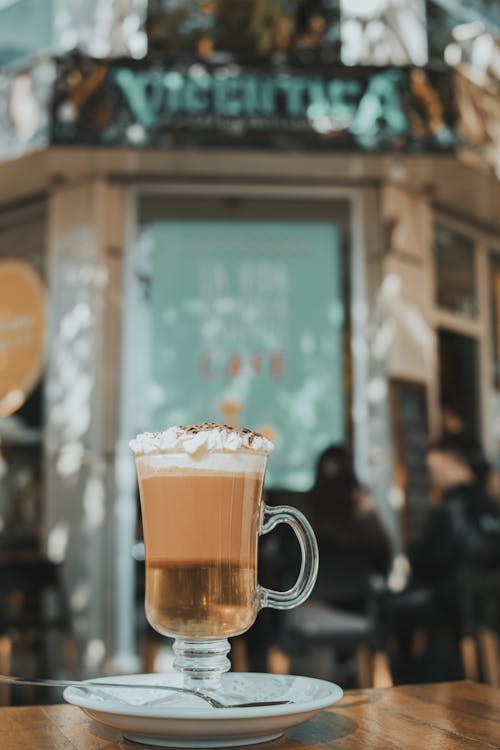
point(22, 327)
point(345, 108)
point(478, 122)
point(78, 101)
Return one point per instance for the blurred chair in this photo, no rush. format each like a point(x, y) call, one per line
point(404, 621)
point(480, 616)
point(340, 615)
point(319, 624)
point(33, 604)
point(409, 621)
point(5, 662)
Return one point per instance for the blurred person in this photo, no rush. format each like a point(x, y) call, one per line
point(461, 534)
point(463, 523)
point(453, 427)
point(352, 542)
point(353, 548)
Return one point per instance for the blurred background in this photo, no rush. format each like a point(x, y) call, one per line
point(282, 214)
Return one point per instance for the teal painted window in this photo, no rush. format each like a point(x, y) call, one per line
point(243, 320)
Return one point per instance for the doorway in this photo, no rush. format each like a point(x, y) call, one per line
point(459, 377)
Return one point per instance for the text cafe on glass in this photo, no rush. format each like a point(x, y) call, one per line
point(298, 241)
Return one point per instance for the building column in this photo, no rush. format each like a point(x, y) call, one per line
point(402, 389)
point(85, 238)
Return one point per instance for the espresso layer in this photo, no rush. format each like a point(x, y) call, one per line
point(203, 515)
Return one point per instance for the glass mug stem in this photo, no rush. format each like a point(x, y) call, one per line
point(202, 663)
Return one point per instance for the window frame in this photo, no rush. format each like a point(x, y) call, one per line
point(478, 328)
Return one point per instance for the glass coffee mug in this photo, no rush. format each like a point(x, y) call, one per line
point(202, 516)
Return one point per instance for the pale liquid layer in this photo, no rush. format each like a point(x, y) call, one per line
point(200, 534)
point(200, 601)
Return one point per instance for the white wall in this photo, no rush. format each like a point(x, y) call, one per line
point(408, 274)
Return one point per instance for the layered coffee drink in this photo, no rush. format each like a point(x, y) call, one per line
point(201, 501)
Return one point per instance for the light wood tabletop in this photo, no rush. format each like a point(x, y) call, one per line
point(448, 716)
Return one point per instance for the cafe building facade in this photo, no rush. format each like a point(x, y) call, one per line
point(307, 247)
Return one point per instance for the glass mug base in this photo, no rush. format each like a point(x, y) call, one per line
point(202, 663)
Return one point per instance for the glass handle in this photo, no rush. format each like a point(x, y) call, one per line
point(310, 557)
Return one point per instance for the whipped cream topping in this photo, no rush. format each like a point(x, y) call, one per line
point(199, 439)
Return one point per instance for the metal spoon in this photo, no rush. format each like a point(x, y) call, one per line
point(96, 688)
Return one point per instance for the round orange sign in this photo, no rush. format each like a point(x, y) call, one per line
point(22, 332)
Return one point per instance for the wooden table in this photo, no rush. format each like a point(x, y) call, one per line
point(451, 716)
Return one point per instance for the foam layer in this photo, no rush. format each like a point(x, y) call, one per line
point(180, 462)
point(201, 439)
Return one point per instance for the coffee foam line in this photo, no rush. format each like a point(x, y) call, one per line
point(234, 463)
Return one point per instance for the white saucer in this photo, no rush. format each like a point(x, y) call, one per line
point(186, 721)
